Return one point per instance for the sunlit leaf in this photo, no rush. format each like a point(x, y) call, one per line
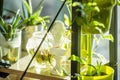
point(2, 25)
point(76, 58)
point(98, 24)
point(118, 3)
point(92, 4)
point(109, 37)
point(39, 7)
point(78, 4)
point(67, 20)
point(27, 7)
point(16, 19)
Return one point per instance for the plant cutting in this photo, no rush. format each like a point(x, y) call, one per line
point(8, 29)
point(90, 13)
point(93, 20)
point(10, 38)
point(31, 19)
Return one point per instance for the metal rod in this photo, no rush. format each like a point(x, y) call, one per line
point(42, 40)
point(114, 46)
point(1, 7)
point(76, 41)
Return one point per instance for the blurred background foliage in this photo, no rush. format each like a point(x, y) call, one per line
point(50, 7)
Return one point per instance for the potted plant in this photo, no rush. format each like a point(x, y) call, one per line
point(31, 19)
point(10, 41)
point(90, 13)
point(93, 19)
point(93, 70)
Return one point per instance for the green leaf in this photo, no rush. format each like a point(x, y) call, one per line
point(2, 21)
point(92, 4)
point(109, 37)
point(76, 58)
point(98, 24)
point(2, 25)
point(67, 20)
point(118, 3)
point(96, 8)
point(39, 7)
point(11, 11)
point(15, 17)
point(36, 14)
point(75, 4)
point(25, 15)
point(98, 68)
point(27, 7)
point(94, 70)
point(16, 24)
point(89, 8)
point(8, 29)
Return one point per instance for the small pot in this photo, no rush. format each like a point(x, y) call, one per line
point(104, 69)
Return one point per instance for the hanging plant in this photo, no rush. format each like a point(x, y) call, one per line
point(92, 14)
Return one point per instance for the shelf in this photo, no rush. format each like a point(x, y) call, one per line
point(20, 65)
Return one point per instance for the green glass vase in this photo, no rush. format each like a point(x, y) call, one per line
point(104, 16)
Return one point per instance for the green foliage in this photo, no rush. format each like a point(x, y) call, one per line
point(108, 37)
point(86, 15)
point(8, 29)
point(68, 18)
point(96, 70)
point(118, 3)
point(84, 61)
point(76, 58)
point(32, 17)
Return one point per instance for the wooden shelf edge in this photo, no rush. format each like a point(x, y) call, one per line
point(32, 75)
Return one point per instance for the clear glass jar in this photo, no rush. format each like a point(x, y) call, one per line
point(11, 49)
point(43, 60)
